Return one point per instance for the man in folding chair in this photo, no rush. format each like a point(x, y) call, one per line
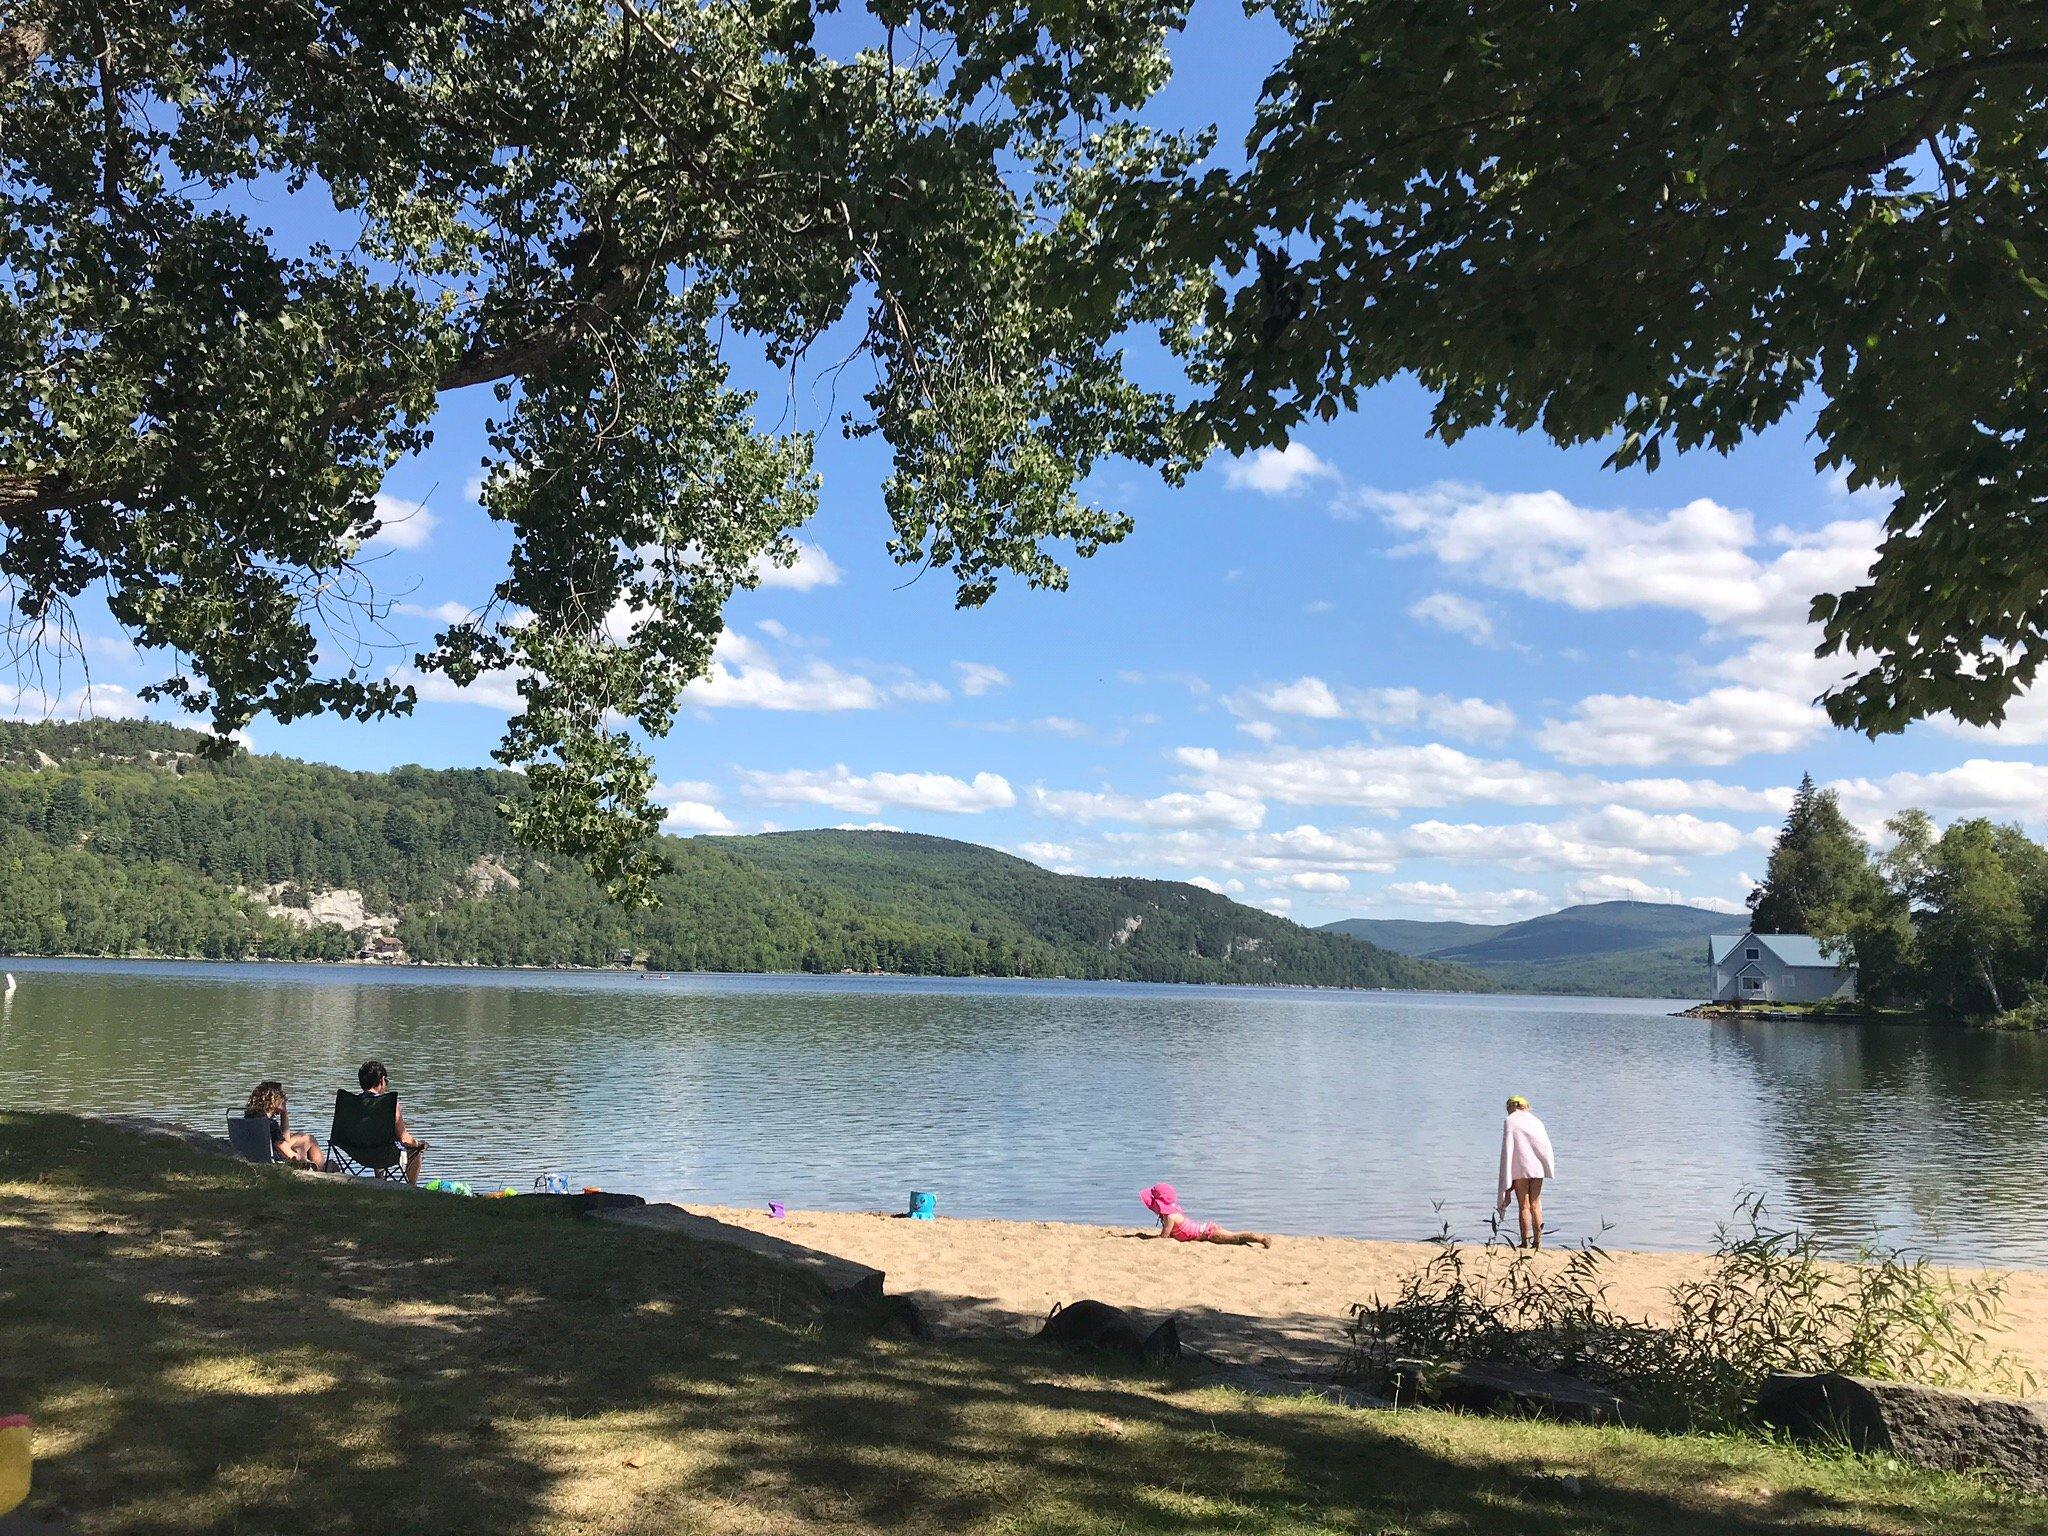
point(369, 1135)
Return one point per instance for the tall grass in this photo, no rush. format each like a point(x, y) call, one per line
point(1770, 1302)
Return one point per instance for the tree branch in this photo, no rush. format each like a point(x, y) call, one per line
point(27, 495)
point(20, 46)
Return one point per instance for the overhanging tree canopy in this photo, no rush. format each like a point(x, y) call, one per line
point(1667, 221)
point(567, 202)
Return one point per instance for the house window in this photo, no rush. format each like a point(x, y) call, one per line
point(1752, 954)
point(1752, 983)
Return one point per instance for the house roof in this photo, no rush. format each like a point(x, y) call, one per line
point(1793, 949)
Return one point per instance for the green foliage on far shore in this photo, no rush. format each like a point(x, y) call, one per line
point(1952, 922)
point(118, 838)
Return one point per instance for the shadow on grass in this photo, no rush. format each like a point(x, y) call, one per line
point(213, 1347)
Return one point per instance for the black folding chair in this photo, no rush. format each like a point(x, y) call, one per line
point(364, 1137)
point(250, 1136)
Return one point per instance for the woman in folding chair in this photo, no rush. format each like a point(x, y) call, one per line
point(369, 1136)
point(266, 1103)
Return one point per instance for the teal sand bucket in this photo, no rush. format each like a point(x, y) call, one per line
point(924, 1205)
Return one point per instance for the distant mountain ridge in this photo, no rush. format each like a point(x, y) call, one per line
point(1613, 948)
point(122, 838)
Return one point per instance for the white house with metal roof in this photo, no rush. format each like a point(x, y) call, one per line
point(1776, 968)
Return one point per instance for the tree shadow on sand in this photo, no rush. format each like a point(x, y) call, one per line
point(213, 1347)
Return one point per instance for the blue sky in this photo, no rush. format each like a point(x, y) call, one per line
point(1373, 675)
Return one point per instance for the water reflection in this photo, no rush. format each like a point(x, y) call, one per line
point(1303, 1111)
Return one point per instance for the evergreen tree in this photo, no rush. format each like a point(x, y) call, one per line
point(1819, 880)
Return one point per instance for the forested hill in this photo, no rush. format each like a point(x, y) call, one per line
point(1607, 948)
point(118, 838)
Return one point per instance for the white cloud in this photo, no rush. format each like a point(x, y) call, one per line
point(1063, 726)
point(1697, 794)
point(95, 701)
point(1208, 808)
point(1696, 558)
point(1276, 471)
point(978, 678)
point(1701, 558)
point(1376, 777)
point(813, 568)
point(1262, 731)
point(1313, 699)
point(691, 808)
point(405, 524)
point(440, 613)
point(1199, 687)
point(1467, 719)
point(1319, 880)
point(1394, 778)
point(1056, 856)
point(1683, 835)
point(1217, 888)
point(1532, 847)
point(1309, 697)
point(1715, 727)
point(1437, 899)
point(918, 690)
point(868, 794)
point(1980, 787)
point(2025, 724)
point(685, 816)
point(1456, 615)
point(491, 690)
point(1319, 606)
point(742, 676)
point(686, 789)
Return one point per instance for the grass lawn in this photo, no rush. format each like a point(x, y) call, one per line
point(207, 1346)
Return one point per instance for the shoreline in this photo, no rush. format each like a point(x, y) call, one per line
point(565, 969)
point(1281, 1310)
point(1268, 1315)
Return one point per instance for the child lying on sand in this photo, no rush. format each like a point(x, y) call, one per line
point(1177, 1224)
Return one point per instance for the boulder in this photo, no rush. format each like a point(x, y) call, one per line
point(1939, 1427)
point(1096, 1325)
point(1483, 1386)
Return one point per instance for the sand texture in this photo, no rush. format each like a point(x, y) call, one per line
point(1281, 1310)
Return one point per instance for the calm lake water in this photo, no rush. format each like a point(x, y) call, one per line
point(1349, 1113)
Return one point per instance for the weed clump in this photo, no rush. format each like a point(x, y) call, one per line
point(1771, 1302)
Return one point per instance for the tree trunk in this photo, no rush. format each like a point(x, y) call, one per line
point(1984, 965)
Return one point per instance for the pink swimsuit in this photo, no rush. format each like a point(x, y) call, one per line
point(1163, 1201)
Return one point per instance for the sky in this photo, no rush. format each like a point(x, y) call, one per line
point(1369, 675)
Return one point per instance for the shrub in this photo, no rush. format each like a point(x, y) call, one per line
point(1770, 1302)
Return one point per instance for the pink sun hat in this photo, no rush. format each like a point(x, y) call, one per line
point(1160, 1199)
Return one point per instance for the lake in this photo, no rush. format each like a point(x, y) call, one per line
point(1360, 1114)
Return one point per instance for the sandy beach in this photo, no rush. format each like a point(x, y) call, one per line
point(1281, 1310)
